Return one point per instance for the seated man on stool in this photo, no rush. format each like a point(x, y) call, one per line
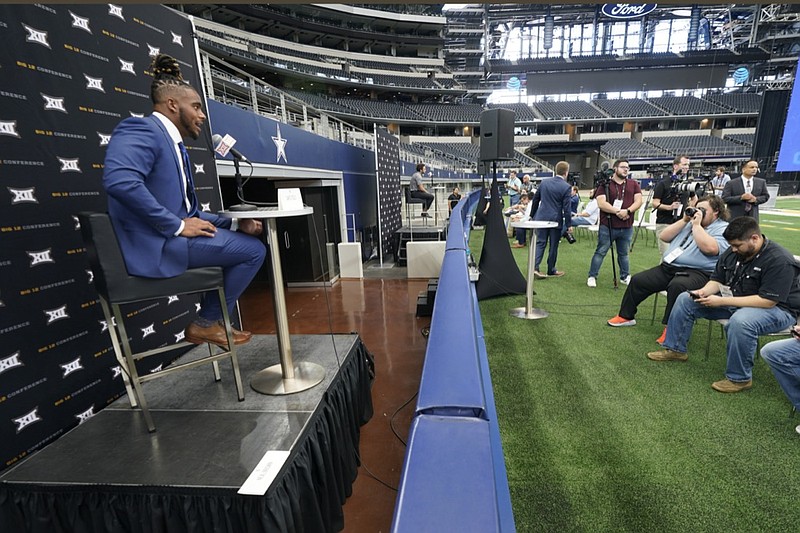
point(754, 286)
point(695, 245)
point(154, 210)
point(783, 357)
point(417, 190)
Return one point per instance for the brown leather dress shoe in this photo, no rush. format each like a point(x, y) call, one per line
point(238, 332)
point(215, 335)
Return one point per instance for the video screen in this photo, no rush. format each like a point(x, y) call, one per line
point(789, 153)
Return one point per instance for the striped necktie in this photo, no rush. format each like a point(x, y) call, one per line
point(187, 169)
point(748, 188)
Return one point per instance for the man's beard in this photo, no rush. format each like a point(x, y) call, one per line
point(188, 125)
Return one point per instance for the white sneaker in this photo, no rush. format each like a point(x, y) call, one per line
point(625, 281)
point(591, 282)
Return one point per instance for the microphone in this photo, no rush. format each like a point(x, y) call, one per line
point(223, 146)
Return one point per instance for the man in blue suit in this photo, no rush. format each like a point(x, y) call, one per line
point(154, 210)
point(552, 203)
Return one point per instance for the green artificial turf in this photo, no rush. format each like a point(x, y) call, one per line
point(598, 438)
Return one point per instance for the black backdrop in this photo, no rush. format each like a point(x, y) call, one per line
point(68, 75)
point(387, 170)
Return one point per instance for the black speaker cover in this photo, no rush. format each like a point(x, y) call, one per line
point(497, 134)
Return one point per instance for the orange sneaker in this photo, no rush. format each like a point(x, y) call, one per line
point(618, 321)
point(663, 337)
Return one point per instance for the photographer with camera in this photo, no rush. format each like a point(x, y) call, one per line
point(744, 194)
point(667, 201)
point(783, 357)
point(754, 286)
point(551, 202)
point(618, 199)
point(695, 243)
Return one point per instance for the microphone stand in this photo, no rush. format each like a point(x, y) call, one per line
point(239, 191)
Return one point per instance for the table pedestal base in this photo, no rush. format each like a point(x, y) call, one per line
point(522, 312)
point(271, 381)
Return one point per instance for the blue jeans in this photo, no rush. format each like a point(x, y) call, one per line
point(581, 221)
point(783, 357)
point(744, 326)
point(553, 235)
point(622, 236)
point(513, 199)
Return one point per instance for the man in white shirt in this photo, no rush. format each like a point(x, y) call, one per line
point(514, 187)
point(587, 217)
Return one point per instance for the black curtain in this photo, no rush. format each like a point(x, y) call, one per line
point(500, 274)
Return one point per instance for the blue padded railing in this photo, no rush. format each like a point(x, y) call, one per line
point(451, 382)
point(449, 484)
point(454, 476)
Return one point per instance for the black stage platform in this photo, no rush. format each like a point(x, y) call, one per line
point(110, 474)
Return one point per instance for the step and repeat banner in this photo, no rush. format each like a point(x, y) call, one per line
point(68, 75)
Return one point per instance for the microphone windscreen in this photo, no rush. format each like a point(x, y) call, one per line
point(216, 139)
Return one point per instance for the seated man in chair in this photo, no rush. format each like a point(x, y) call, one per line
point(154, 210)
point(754, 286)
point(695, 245)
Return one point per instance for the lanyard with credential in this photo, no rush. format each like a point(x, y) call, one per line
point(624, 186)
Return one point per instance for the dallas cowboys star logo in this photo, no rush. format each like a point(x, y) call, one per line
point(280, 144)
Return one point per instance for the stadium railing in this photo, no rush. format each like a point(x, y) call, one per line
point(454, 476)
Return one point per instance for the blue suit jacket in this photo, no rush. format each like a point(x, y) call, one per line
point(552, 201)
point(145, 198)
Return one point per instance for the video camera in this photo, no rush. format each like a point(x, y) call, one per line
point(602, 175)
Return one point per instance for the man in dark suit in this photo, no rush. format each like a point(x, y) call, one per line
point(552, 203)
point(154, 210)
point(743, 195)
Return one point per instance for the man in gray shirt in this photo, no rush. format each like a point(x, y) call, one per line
point(417, 189)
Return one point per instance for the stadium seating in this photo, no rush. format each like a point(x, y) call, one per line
point(699, 146)
point(628, 107)
point(631, 148)
point(687, 105)
point(567, 110)
point(746, 139)
point(740, 102)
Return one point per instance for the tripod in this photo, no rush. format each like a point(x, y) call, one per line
point(611, 243)
point(641, 220)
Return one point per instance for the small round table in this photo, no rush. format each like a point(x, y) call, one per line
point(286, 377)
point(529, 312)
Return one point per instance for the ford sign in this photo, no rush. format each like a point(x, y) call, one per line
point(627, 11)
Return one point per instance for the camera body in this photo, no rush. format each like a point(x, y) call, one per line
point(691, 211)
point(570, 238)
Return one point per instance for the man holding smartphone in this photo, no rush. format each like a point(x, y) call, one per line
point(783, 357)
point(754, 286)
